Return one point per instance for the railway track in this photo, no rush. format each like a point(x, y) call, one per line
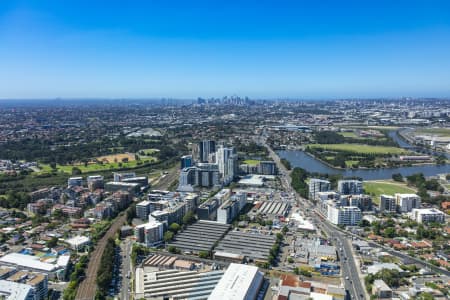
point(88, 287)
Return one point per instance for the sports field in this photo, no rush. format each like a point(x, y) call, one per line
point(441, 132)
point(360, 148)
point(106, 162)
point(251, 162)
point(377, 188)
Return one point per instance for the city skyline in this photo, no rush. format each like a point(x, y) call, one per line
point(257, 49)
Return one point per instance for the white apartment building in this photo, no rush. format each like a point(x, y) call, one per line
point(150, 233)
point(316, 186)
point(406, 202)
point(427, 215)
point(344, 215)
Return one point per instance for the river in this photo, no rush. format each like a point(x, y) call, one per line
point(298, 158)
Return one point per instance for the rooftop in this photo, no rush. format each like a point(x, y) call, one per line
point(14, 291)
point(237, 282)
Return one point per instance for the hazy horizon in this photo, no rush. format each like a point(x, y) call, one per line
point(259, 49)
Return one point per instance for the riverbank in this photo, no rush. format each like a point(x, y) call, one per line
point(364, 168)
point(299, 158)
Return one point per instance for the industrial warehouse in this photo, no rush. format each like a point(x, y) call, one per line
point(249, 245)
point(200, 236)
point(173, 284)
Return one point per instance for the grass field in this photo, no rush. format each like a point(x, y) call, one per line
point(350, 163)
point(442, 132)
point(376, 188)
point(359, 148)
point(110, 162)
point(116, 157)
point(348, 134)
point(251, 162)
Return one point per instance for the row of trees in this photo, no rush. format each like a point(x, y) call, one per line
point(76, 277)
point(105, 270)
point(299, 176)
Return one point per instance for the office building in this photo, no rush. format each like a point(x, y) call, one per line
point(387, 204)
point(363, 202)
point(37, 281)
point(231, 208)
point(208, 209)
point(15, 291)
point(95, 182)
point(202, 175)
point(406, 202)
point(141, 180)
point(114, 186)
point(205, 149)
point(240, 282)
point(267, 168)
point(121, 176)
point(150, 234)
point(381, 290)
point(186, 161)
point(316, 186)
point(143, 209)
point(427, 215)
point(344, 215)
point(350, 187)
point(75, 181)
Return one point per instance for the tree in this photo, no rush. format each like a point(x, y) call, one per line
point(173, 249)
point(76, 171)
point(168, 236)
point(389, 232)
point(53, 242)
point(397, 177)
point(174, 227)
point(203, 254)
point(189, 218)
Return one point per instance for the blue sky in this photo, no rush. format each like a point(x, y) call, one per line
point(260, 49)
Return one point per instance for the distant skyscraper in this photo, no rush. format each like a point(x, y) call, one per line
point(205, 148)
point(186, 161)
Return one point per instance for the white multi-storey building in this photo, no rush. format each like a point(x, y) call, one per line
point(406, 202)
point(317, 186)
point(387, 204)
point(427, 215)
point(344, 215)
point(150, 233)
point(350, 187)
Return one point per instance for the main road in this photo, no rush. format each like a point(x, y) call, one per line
point(353, 284)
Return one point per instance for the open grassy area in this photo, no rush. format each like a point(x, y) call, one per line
point(376, 188)
point(107, 162)
point(442, 132)
point(350, 163)
point(359, 148)
point(349, 134)
point(251, 162)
